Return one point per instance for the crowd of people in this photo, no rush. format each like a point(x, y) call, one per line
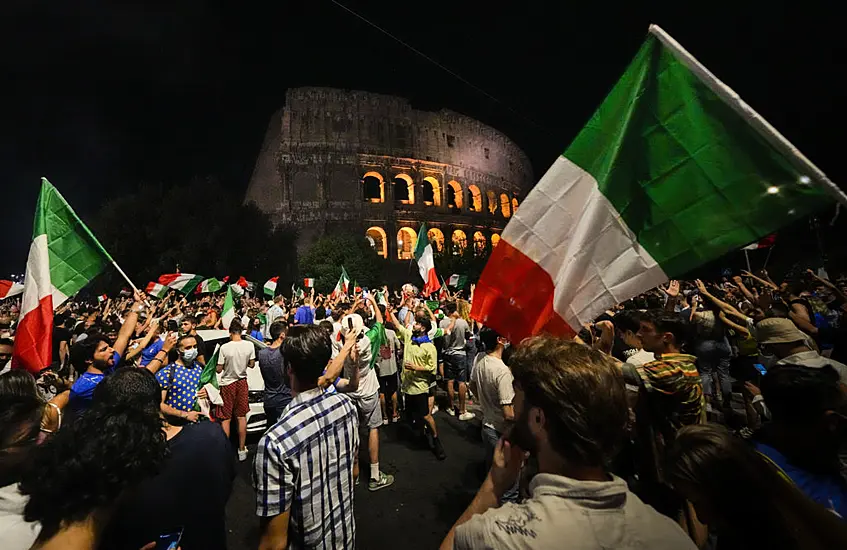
point(696, 415)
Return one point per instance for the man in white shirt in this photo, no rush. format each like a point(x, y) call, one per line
point(275, 312)
point(491, 381)
point(571, 414)
point(234, 358)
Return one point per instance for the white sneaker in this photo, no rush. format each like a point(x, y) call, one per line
point(434, 409)
point(451, 412)
point(242, 455)
point(385, 422)
point(467, 415)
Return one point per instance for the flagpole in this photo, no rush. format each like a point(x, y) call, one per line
point(768, 257)
point(747, 256)
point(124, 275)
point(754, 119)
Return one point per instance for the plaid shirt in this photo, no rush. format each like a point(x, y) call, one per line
point(675, 378)
point(305, 464)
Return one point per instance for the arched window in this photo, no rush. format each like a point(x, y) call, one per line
point(376, 237)
point(374, 187)
point(492, 202)
point(431, 191)
point(495, 238)
point(454, 194)
point(479, 243)
point(504, 205)
point(406, 238)
point(514, 205)
point(475, 197)
point(460, 242)
point(404, 189)
point(436, 238)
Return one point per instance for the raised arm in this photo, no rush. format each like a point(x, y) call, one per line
point(733, 325)
point(128, 328)
point(769, 284)
point(673, 295)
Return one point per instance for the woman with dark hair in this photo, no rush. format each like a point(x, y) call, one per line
point(743, 499)
point(255, 327)
point(18, 383)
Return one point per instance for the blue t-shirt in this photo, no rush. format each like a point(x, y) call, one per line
point(257, 334)
point(148, 353)
point(304, 315)
point(82, 392)
point(183, 394)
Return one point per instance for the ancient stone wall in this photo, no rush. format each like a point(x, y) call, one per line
point(370, 163)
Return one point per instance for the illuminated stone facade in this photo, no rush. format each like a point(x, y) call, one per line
point(369, 163)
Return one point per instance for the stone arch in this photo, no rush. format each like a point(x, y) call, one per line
point(495, 238)
point(404, 189)
point(431, 191)
point(492, 202)
point(436, 237)
point(376, 236)
point(474, 199)
point(454, 194)
point(479, 244)
point(374, 187)
point(460, 242)
point(504, 205)
point(406, 238)
point(514, 205)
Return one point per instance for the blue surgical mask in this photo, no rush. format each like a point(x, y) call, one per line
point(189, 355)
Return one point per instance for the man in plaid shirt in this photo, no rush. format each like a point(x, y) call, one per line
point(305, 467)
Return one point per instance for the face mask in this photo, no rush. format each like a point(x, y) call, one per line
point(189, 355)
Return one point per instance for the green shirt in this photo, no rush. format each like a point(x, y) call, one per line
point(416, 382)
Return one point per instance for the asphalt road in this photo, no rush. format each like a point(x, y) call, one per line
point(415, 513)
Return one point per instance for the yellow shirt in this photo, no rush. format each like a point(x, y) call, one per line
point(416, 382)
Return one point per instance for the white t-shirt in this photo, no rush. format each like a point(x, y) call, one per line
point(15, 532)
point(640, 357)
point(492, 383)
point(235, 358)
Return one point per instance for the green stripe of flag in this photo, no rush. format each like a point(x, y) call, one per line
point(76, 256)
point(688, 174)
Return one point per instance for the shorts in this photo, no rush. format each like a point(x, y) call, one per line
point(370, 414)
point(456, 367)
point(235, 401)
point(388, 384)
point(417, 406)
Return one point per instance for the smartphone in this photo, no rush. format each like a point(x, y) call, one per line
point(761, 368)
point(172, 326)
point(169, 541)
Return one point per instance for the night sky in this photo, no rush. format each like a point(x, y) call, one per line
point(100, 95)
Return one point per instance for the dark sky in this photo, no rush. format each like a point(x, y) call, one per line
point(100, 95)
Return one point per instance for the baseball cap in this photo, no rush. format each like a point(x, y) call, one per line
point(358, 323)
point(778, 330)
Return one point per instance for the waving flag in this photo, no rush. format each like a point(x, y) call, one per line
point(426, 262)
point(228, 311)
point(183, 282)
point(308, 282)
point(209, 285)
point(270, 286)
point(63, 257)
point(766, 242)
point(156, 290)
point(342, 284)
point(672, 171)
point(9, 289)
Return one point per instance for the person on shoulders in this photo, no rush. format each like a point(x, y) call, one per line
point(571, 415)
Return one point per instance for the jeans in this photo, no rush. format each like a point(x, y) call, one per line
point(713, 358)
point(490, 437)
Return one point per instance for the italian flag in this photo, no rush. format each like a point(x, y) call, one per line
point(426, 262)
point(308, 282)
point(342, 284)
point(10, 288)
point(228, 311)
point(183, 282)
point(236, 289)
point(63, 257)
point(157, 290)
point(766, 242)
point(209, 285)
point(672, 171)
point(270, 286)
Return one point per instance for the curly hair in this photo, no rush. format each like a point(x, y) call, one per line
point(87, 465)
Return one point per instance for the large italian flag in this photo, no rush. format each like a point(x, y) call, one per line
point(183, 282)
point(63, 257)
point(426, 262)
point(672, 171)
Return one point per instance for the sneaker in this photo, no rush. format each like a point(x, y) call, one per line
point(395, 420)
point(451, 412)
point(242, 455)
point(434, 409)
point(385, 422)
point(384, 481)
point(439, 450)
point(467, 415)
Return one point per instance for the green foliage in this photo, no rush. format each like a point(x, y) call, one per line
point(201, 227)
point(323, 261)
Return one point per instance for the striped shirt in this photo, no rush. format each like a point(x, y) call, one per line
point(305, 464)
point(674, 377)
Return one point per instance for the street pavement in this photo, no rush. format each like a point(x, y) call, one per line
point(416, 512)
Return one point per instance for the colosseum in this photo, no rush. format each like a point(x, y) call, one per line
point(338, 160)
